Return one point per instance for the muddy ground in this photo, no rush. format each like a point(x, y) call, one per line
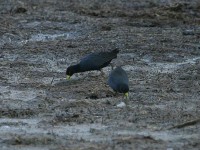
point(159, 42)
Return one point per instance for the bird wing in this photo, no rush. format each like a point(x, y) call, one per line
point(97, 60)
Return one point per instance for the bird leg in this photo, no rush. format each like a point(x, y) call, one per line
point(126, 101)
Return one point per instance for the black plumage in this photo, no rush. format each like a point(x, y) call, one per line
point(118, 81)
point(93, 61)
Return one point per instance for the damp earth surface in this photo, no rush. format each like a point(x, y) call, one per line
point(159, 43)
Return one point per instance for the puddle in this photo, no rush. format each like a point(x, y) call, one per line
point(162, 67)
point(51, 37)
point(32, 24)
point(30, 126)
point(83, 131)
point(9, 57)
point(26, 95)
point(20, 40)
point(171, 67)
point(159, 135)
point(41, 38)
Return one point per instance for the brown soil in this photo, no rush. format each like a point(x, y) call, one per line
point(159, 49)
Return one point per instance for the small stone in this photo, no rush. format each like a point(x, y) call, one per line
point(188, 32)
point(121, 104)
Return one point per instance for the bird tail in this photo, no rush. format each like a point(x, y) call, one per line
point(116, 51)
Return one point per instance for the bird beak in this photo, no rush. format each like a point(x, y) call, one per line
point(68, 77)
point(126, 95)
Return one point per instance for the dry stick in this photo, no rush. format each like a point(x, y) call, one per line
point(52, 79)
point(189, 123)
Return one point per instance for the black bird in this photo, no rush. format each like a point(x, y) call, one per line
point(118, 81)
point(93, 61)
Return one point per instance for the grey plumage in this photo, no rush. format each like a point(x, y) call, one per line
point(118, 80)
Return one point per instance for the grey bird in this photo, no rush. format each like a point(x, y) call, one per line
point(118, 81)
point(93, 61)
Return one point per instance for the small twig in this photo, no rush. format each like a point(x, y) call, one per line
point(189, 123)
point(52, 79)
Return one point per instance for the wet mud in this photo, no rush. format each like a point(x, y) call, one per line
point(159, 49)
